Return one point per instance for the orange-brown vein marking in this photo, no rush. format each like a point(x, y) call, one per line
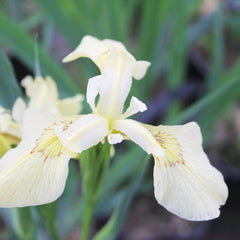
point(172, 149)
point(49, 145)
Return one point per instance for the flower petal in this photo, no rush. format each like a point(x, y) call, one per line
point(140, 69)
point(94, 49)
point(187, 185)
point(11, 130)
point(18, 109)
point(116, 82)
point(93, 89)
point(135, 106)
point(43, 93)
point(136, 132)
point(115, 138)
point(5, 119)
point(35, 172)
point(70, 106)
point(86, 132)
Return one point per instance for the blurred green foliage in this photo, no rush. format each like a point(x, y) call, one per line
point(164, 32)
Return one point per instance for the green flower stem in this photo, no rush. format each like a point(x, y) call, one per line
point(87, 219)
point(94, 163)
point(48, 215)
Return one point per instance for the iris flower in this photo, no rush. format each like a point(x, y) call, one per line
point(35, 172)
point(42, 94)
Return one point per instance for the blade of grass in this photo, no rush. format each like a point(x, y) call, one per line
point(23, 46)
point(217, 65)
point(68, 17)
point(208, 110)
point(9, 88)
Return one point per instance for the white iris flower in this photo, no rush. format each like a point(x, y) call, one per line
point(35, 172)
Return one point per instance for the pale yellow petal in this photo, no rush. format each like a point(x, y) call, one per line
point(140, 69)
point(93, 89)
point(5, 120)
point(11, 130)
point(18, 109)
point(35, 172)
point(116, 83)
point(86, 132)
point(70, 106)
point(135, 106)
point(94, 49)
point(137, 132)
point(42, 93)
point(187, 184)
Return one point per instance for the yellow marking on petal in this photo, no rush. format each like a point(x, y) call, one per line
point(35, 174)
point(49, 144)
point(172, 149)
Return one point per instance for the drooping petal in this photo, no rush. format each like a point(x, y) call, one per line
point(188, 185)
point(136, 132)
point(135, 106)
point(94, 49)
point(70, 106)
point(35, 171)
point(86, 132)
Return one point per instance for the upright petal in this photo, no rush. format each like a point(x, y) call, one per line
point(116, 82)
point(188, 185)
point(42, 93)
point(35, 172)
point(10, 130)
point(140, 69)
point(86, 132)
point(137, 132)
point(18, 109)
point(5, 119)
point(94, 49)
point(135, 106)
point(93, 89)
point(70, 106)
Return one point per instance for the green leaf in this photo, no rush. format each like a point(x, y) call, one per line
point(23, 46)
point(22, 223)
point(113, 226)
point(207, 110)
point(56, 10)
point(9, 88)
point(48, 214)
point(217, 65)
